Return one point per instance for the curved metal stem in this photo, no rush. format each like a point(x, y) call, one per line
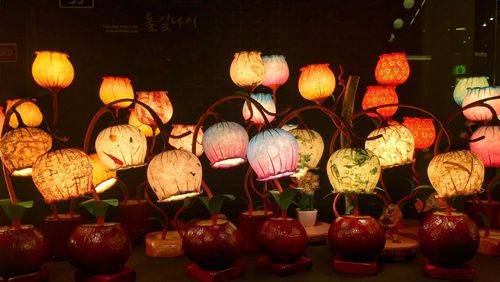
point(382, 183)
point(334, 205)
point(163, 213)
point(247, 192)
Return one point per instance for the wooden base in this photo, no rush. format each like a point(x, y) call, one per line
point(465, 272)
point(40, 276)
point(127, 274)
point(489, 245)
point(205, 275)
point(360, 268)
point(281, 269)
point(401, 250)
point(318, 233)
point(169, 247)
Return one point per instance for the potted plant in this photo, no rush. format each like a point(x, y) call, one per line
point(307, 185)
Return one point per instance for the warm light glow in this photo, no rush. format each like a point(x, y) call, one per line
point(52, 70)
point(186, 142)
point(247, 69)
point(311, 147)
point(456, 173)
point(29, 112)
point(19, 149)
point(63, 174)
point(423, 131)
point(276, 71)
point(116, 88)
point(481, 113)
point(266, 100)
point(379, 96)
point(316, 82)
point(225, 144)
point(395, 147)
point(121, 147)
point(144, 128)
point(102, 177)
point(273, 153)
point(175, 175)
point(487, 149)
point(392, 69)
point(159, 102)
point(354, 170)
point(2, 120)
point(467, 82)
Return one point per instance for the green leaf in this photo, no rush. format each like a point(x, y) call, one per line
point(186, 202)
point(204, 200)
point(349, 209)
point(15, 211)
point(216, 202)
point(285, 198)
point(485, 219)
point(98, 208)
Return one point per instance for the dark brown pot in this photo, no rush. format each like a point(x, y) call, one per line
point(57, 232)
point(283, 240)
point(22, 251)
point(448, 240)
point(249, 228)
point(356, 238)
point(212, 246)
point(99, 249)
point(133, 216)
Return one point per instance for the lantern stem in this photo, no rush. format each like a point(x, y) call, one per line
point(283, 214)
point(278, 185)
point(264, 199)
point(163, 214)
point(489, 187)
point(415, 174)
point(207, 189)
point(182, 231)
point(382, 183)
point(8, 184)
point(487, 225)
point(355, 203)
point(334, 205)
point(153, 142)
point(449, 208)
point(55, 107)
point(274, 89)
point(247, 192)
point(53, 209)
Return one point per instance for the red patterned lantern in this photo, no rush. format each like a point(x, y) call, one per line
point(423, 131)
point(379, 96)
point(487, 149)
point(392, 69)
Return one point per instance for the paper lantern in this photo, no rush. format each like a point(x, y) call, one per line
point(481, 113)
point(379, 96)
point(19, 149)
point(225, 144)
point(29, 112)
point(395, 146)
point(175, 175)
point(316, 82)
point(392, 69)
point(102, 177)
point(144, 128)
point(456, 173)
point(487, 149)
point(121, 147)
point(276, 71)
point(186, 142)
point(266, 100)
point(2, 119)
point(467, 82)
point(423, 131)
point(354, 170)
point(311, 147)
point(116, 88)
point(63, 174)
point(52, 70)
point(273, 153)
point(159, 102)
point(247, 69)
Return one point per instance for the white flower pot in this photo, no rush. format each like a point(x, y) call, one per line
point(307, 218)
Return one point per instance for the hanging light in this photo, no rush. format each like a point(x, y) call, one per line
point(276, 71)
point(481, 113)
point(186, 142)
point(392, 69)
point(395, 147)
point(116, 88)
point(423, 131)
point(379, 96)
point(102, 177)
point(225, 144)
point(487, 149)
point(467, 82)
point(311, 147)
point(30, 114)
point(52, 70)
point(144, 128)
point(247, 70)
point(254, 115)
point(316, 82)
point(156, 100)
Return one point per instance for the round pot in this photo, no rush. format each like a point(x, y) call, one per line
point(249, 228)
point(212, 246)
point(356, 238)
point(448, 239)
point(283, 240)
point(99, 249)
point(307, 218)
point(22, 251)
point(57, 232)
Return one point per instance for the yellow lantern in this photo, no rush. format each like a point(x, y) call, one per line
point(102, 177)
point(456, 173)
point(316, 82)
point(311, 147)
point(247, 69)
point(29, 112)
point(144, 128)
point(52, 70)
point(186, 142)
point(116, 88)
point(159, 102)
point(395, 147)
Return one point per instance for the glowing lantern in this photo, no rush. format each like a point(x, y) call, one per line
point(144, 128)
point(276, 71)
point(247, 69)
point(102, 177)
point(456, 173)
point(467, 82)
point(395, 146)
point(63, 174)
point(116, 88)
point(266, 100)
point(392, 69)
point(52, 70)
point(159, 102)
point(273, 154)
point(29, 112)
point(481, 113)
point(353, 170)
point(186, 142)
point(2, 119)
point(487, 149)
point(19, 149)
point(225, 144)
point(423, 131)
point(379, 96)
point(311, 147)
point(316, 82)
point(121, 147)
point(175, 175)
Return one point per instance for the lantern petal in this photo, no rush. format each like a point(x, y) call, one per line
point(316, 82)
point(488, 148)
point(394, 147)
point(311, 147)
point(379, 96)
point(116, 88)
point(102, 177)
point(159, 102)
point(480, 113)
point(144, 128)
point(52, 70)
point(247, 69)
point(392, 69)
point(30, 114)
point(423, 131)
point(467, 82)
point(266, 100)
point(276, 71)
point(225, 144)
point(186, 142)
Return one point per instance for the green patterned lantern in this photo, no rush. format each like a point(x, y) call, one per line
point(311, 147)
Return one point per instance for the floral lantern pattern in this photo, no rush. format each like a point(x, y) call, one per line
point(247, 69)
point(379, 96)
point(467, 82)
point(481, 113)
point(392, 69)
point(316, 82)
point(276, 71)
point(21, 147)
point(273, 154)
point(354, 170)
point(311, 147)
point(63, 174)
point(175, 175)
point(52, 70)
point(121, 147)
point(29, 112)
point(423, 131)
point(456, 173)
point(144, 128)
point(116, 88)
point(395, 147)
point(225, 144)
point(487, 149)
point(159, 102)
point(102, 177)
point(186, 142)
point(254, 115)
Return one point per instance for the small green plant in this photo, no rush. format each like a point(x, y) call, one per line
point(284, 199)
point(214, 204)
point(15, 211)
point(307, 186)
point(99, 208)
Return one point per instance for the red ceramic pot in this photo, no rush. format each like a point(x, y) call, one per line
point(249, 227)
point(448, 239)
point(283, 240)
point(133, 216)
point(356, 238)
point(22, 251)
point(99, 249)
point(212, 246)
point(57, 232)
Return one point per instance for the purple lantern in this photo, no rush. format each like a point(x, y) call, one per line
point(225, 144)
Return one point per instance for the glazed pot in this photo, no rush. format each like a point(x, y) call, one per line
point(22, 251)
point(249, 228)
point(133, 216)
point(448, 239)
point(356, 238)
point(307, 218)
point(283, 240)
point(57, 232)
point(212, 246)
point(99, 249)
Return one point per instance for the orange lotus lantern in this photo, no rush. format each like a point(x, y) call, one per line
point(102, 177)
point(116, 88)
point(52, 70)
point(144, 128)
point(392, 69)
point(30, 114)
point(423, 131)
point(247, 70)
point(159, 102)
point(316, 82)
point(379, 96)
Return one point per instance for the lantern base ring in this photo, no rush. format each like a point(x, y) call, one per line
point(179, 197)
point(279, 175)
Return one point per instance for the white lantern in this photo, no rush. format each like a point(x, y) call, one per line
point(394, 147)
point(467, 82)
point(311, 147)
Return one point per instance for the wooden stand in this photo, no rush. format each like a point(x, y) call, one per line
point(282, 269)
point(40, 276)
point(489, 245)
point(360, 268)
point(401, 250)
point(127, 274)
point(465, 272)
point(206, 275)
point(169, 247)
point(318, 233)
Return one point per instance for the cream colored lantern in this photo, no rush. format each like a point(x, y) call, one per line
point(29, 112)
point(311, 147)
point(144, 128)
point(186, 142)
point(159, 103)
point(247, 69)
point(395, 147)
point(102, 177)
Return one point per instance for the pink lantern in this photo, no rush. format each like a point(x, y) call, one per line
point(487, 149)
point(159, 102)
point(481, 113)
point(276, 71)
point(225, 144)
point(266, 100)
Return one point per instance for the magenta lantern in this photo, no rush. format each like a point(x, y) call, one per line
point(276, 71)
point(225, 144)
point(487, 149)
